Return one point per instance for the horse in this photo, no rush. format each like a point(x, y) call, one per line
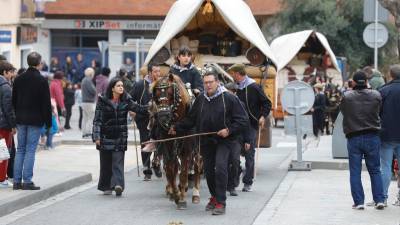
point(171, 102)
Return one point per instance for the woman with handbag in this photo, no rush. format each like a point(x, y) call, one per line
point(7, 120)
point(110, 133)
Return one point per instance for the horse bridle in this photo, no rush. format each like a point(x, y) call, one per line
point(163, 108)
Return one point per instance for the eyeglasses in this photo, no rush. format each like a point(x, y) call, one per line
point(209, 82)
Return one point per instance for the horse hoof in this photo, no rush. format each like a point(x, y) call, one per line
point(181, 205)
point(195, 199)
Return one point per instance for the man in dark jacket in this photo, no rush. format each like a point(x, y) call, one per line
point(257, 106)
point(390, 132)
point(360, 108)
point(234, 161)
point(142, 95)
point(80, 66)
point(31, 101)
point(7, 119)
point(186, 70)
point(216, 111)
point(318, 110)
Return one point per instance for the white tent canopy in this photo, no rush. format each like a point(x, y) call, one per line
point(287, 46)
point(236, 14)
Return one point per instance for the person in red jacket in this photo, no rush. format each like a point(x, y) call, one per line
point(57, 91)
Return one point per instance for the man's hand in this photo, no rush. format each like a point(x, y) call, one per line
point(13, 131)
point(63, 112)
point(223, 133)
point(132, 114)
point(246, 146)
point(172, 131)
point(261, 122)
point(97, 142)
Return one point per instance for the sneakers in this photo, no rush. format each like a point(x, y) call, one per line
point(150, 147)
point(147, 177)
point(373, 204)
point(247, 188)
point(233, 192)
point(219, 209)
point(5, 184)
point(211, 204)
point(118, 190)
point(380, 206)
point(358, 207)
point(108, 192)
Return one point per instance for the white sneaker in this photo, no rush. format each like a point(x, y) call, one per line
point(358, 207)
point(380, 206)
point(373, 204)
point(5, 184)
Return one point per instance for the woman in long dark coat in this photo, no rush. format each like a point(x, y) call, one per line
point(110, 133)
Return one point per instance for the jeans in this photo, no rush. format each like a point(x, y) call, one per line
point(250, 159)
point(28, 139)
point(387, 150)
point(367, 145)
point(49, 140)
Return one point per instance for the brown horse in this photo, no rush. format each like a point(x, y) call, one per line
point(171, 104)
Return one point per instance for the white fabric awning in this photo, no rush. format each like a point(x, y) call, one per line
point(236, 14)
point(286, 47)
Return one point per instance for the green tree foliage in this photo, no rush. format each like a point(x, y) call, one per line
point(341, 21)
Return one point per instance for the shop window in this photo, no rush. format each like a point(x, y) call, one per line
point(91, 42)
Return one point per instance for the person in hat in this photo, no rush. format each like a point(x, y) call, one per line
point(361, 124)
point(234, 161)
point(216, 110)
point(258, 107)
point(318, 109)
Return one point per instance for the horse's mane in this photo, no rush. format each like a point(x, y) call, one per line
point(182, 89)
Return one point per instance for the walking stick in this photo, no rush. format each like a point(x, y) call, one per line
point(137, 155)
point(258, 149)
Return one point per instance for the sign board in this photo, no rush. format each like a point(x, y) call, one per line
point(5, 36)
point(27, 35)
point(300, 89)
point(369, 12)
point(103, 24)
point(306, 124)
point(369, 35)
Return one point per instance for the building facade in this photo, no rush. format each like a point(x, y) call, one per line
point(61, 28)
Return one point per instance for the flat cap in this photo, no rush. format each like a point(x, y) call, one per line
point(238, 67)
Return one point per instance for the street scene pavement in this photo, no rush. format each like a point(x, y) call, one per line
point(320, 196)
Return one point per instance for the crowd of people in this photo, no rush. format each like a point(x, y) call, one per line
point(32, 103)
point(369, 110)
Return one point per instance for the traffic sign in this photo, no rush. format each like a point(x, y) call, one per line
point(369, 12)
point(369, 35)
point(301, 91)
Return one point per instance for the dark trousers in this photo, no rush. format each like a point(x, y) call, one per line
point(216, 160)
point(249, 157)
point(111, 170)
point(318, 122)
point(10, 169)
point(68, 115)
point(145, 136)
point(234, 167)
point(80, 117)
